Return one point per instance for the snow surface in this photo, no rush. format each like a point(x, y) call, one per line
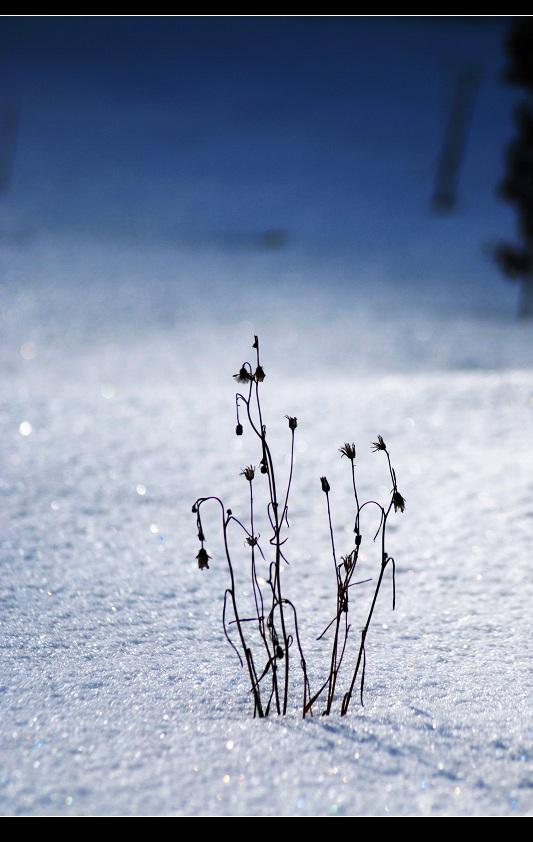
point(119, 693)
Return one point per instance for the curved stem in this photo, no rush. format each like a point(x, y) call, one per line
point(361, 653)
point(247, 654)
point(307, 686)
point(259, 604)
point(284, 512)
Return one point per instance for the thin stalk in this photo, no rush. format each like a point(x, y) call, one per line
point(307, 686)
point(276, 526)
point(361, 653)
point(231, 591)
point(334, 666)
point(259, 604)
point(284, 515)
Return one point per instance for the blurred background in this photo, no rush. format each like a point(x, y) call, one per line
point(273, 171)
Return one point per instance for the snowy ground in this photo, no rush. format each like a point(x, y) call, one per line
point(119, 693)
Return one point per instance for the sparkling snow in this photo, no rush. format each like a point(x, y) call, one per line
point(119, 692)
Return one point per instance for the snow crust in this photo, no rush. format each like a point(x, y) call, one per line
point(119, 692)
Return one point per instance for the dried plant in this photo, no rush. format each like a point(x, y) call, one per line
point(275, 619)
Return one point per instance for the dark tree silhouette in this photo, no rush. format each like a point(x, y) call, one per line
point(452, 153)
point(516, 260)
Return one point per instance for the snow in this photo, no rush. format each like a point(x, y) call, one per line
point(120, 694)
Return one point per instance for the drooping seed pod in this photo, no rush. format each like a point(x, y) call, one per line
point(243, 375)
point(203, 559)
point(398, 501)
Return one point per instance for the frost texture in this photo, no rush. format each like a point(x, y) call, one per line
point(120, 695)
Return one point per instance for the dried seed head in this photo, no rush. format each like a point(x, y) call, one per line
point(251, 540)
point(398, 501)
point(256, 342)
point(243, 376)
point(325, 484)
point(238, 430)
point(279, 651)
point(293, 422)
point(201, 536)
point(248, 472)
point(348, 450)
point(264, 465)
point(194, 508)
point(259, 375)
point(379, 444)
point(203, 559)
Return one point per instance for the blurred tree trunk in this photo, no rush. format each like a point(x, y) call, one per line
point(525, 306)
point(516, 259)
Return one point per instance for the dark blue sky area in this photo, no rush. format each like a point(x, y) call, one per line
point(210, 131)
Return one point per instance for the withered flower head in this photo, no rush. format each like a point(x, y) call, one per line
point(259, 375)
point(293, 422)
point(379, 444)
point(348, 450)
point(251, 540)
point(398, 501)
point(238, 430)
point(248, 472)
point(325, 484)
point(243, 376)
point(203, 559)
